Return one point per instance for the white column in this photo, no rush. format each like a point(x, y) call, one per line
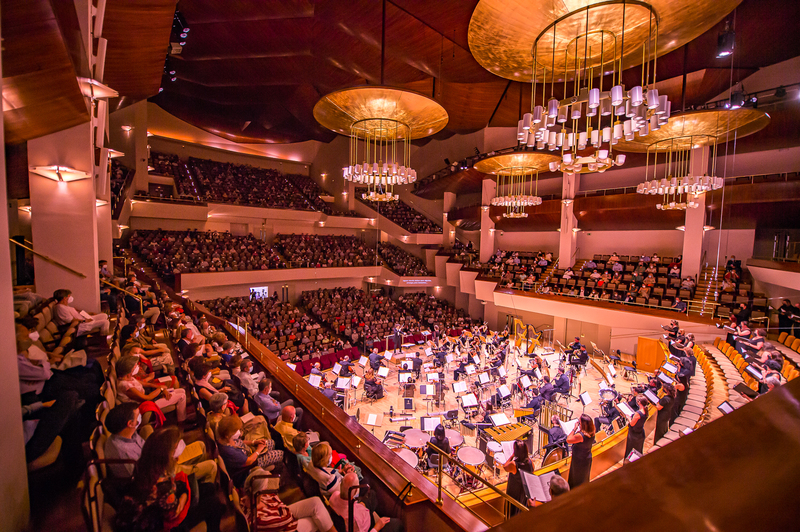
point(14, 505)
point(695, 221)
point(141, 180)
point(448, 229)
point(488, 193)
point(567, 242)
point(64, 216)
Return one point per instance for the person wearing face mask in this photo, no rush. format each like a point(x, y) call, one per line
point(129, 389)
point(205, 390)
point(286, 427)
point(327, 474)
point(64, 314)
point(148, 307)
point(239, 455)
point(247, 378)
point(365, 518)
point(126, 442)
point(160, 494)
point(158, 355)
point(107, 294)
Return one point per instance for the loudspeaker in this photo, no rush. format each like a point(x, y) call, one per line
point(447, 162)
point(408, 403)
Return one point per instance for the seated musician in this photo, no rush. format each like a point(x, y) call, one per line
point(417, 363)
point(487, 413)
point(574, 345)
point(375, 359)
point(752, 345)
point(547, 390)
point(672, 329)
point(534, 404)
point(608, 411)
point(556, 434)
point(440, 440)
point(579, 357)
point(561, 384)
point(461, 370)
point(440, 358)
point(372, 384)
point(347, 367)
point(771, 359)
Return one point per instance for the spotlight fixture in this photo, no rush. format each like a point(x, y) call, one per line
point(737, 99)
point(726, 41)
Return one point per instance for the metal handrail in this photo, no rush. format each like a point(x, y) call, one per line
point(124, 264)
point(466, 469)
point(141, 300)
point(48, 259)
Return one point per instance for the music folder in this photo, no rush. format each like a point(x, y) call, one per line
point(725, 407)
point(483, 378)
point(653, 398)
point(744, 389)
point(625, 409)
point(525, 381)
point(403, 376)
point(291, 366)
point(752, 370)
point(406, 364)
point(470, 369)
point(537, 487)
point(314, 380)
point(538, 373)
point(363, 361)
point(429, 424)
point(585, 398)
point(427, 389)
point(342, 383)
point(665, 378)
point(568, 426)
point(460, 387)
point(337, 368)
point(383, 372)
point(501, 371)
point(469, 400)
point(503, 391)
point(355, 381)
point(432, 377)
point(499, 420)
point(387, 355)
point(428, 351)
point(669, 367)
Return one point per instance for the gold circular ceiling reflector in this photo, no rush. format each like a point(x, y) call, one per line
point(531, 161)
point(701, 126)
point(502, 32)
point(339, 110)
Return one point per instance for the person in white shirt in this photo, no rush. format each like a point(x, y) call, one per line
point(65, 314)
point(247, 378)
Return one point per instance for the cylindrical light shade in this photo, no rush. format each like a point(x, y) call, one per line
point(619, 110)
point(602, 154)
point(636, 96)
point(553, 166)
point(605, 108)
point(562, 115)
point(551, 121)
point(567, 157)
point(552, 108)
point(570, 140)
point(616, 95)
point(576, 111)
point(595, 137)
point(591, 112)
point(621, 159)
point(630, 110)
point(540, 145)
point(607, 134)
point(662, 104)
point(627, 127)
point(560, 139)
point(531, 139)
point(581, 140)
point(537, 114)
point(520, 131)
point(594, 98)
point(654, 125)
point(526, 121)
point(374, 168)
point(552, 138)
point(652, 98)
point(645, 129)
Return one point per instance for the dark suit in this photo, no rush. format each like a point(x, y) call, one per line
point(375, 360)
point(397, 338)
point(330, 393)
point(547, 391)
point(562, 384)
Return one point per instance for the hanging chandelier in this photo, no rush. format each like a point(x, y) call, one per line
point(575, 53)
point(381, 123)
point(681, 158)
point(518, 178)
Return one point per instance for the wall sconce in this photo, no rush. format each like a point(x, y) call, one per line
point(491, 231)
point(445, 216)
point(113, 154)
point(567, 201)
point(62, 174)
point(127, 129)
point(91, 88)
point(149, 134)
point(100, 203)
point(452, 232)
point(576, 229)
point(344, 193)
point(323, 175)
point(484, 208)
point(123, 227)
point(26, 208)
point(322, 224)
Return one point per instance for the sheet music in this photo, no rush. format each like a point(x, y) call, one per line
point(504, 391)
point(725, 407)
point(470, 369)
point(427, 389)
point(476, 359)
point(432, 377)
point(501, 371)
point(383, 372)
point(448, 358)
point(337, 368)
point(387, 355)
point(537, 487)
point(585, 398)
point(86, 315)
point(525, 381)
point(669, 367)
point(651, 396)
point(342, 383)
point(355, 381)
point(612, 370)
point(508, 448)
point(665, 378)
point(406, 364)
point(625, 409)
point(372, 419)
point(291, 366)
point(568, 426)
point(429, 424)
point(469, 400)
point(363, 361)
point(499, 419)
point(429, 351)
point(537, 373)
point(460, 387)
point(403, 376)
point(483, 378)
point(314, 380)
point(247, 417)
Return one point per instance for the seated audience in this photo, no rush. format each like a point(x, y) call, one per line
point(240, 455)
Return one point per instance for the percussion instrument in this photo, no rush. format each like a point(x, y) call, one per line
point(494, 447)
point(456, 439)
point(499, 460)
point(409, 456)
point(510, 432)
point(416, 438)
point(472, 457)
point(522, 412)
point(607, 394)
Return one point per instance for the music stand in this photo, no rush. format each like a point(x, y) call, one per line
point(585, 400)
point(371, 420)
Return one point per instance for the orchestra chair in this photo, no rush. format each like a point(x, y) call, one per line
point(630, 373)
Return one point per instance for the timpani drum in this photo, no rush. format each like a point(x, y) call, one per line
point(409, 456)
point(455, 437)
point(499, 460)
point(416, 438)
point(472, 457)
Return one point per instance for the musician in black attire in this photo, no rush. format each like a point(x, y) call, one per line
point(788, 317)
point(416, 363)
point(461, 370)
point(440, 358)
point(555, 434)
point(347, 366)
point(561, 384)
point(573, 346)
point(581, 439)
point(665, 409)
point(579, 358)
point(609, 411)
point(521, 461)
point(441, 441)
point(672, 329)
point(397, 338)
point(547, 390)
point(375, 359)
point(636, 434)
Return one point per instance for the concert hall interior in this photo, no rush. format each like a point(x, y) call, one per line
point(400, 265)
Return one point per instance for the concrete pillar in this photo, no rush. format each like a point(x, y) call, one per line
point(64, 216)
point(448, 229)
point(141, 181)
point(567, 243)
point(14, 504)
point(695, 221)
point(488, 193)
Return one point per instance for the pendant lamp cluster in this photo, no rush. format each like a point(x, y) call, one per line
point(582, 54)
